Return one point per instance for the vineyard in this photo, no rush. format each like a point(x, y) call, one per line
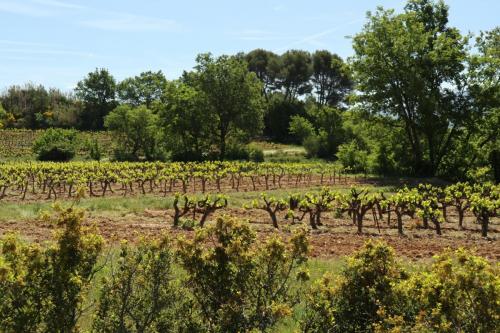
point(274, 197)
point(430, 205)
point(31, 181)
point(18, 143)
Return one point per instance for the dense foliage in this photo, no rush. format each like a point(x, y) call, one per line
point(55, 145)
point(458, 293)
point(42, 288)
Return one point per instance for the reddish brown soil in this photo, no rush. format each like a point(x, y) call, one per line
point(337, 237)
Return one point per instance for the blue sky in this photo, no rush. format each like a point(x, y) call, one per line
point(57, 42)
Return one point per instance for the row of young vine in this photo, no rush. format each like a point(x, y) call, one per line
point(49, 180)
point(428, 203)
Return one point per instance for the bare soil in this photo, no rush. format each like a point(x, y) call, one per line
point(336, 237)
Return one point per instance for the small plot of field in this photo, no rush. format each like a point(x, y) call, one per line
point(280, 152)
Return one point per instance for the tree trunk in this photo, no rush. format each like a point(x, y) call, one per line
point(176, 218)
point(204, 217)
point(400, 223)
point(437, 224)
point(312, 221)
point(485, 220)
point(359, 218)
point(426, 223)
point(318, 218)
point(222, 145)
point(445, 215)
point(460, 219)
point(274, 219)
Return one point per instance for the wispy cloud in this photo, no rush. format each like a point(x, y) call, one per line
point(48, 52)
point(96, 18)
point(10, 48)
point(258, 35)
point(131, 22)
point(24, 43)
point(24, 9)
point(59, 4)
point(315, 39)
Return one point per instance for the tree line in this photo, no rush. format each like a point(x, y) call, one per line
point(417, 97)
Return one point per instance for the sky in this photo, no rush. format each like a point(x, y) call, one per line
point(57, 42)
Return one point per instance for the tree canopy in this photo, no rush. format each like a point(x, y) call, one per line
point(97, 91)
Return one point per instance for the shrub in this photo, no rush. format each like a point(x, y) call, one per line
point(236, 151)
point(140, 294)
point(255, 154)
point(94, 150)
point(382, 161)
point(459, 293)
point(354, 301)
point(42, 288)
point(312, 145)
point(353, 157)
point(55, 144)
point(3, 117)
point(301, 128)
point(239, 287)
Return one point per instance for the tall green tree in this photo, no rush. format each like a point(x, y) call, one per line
point(3, 117)
point(97, 91)
point(186, 121)
point(143, 89)
point(295, 73)
point(135, 132)
point(410, 66)
point(330, 78)
point(233, 98)
point(485, 87)
point(266, 65)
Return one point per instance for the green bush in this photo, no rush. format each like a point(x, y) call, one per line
point(255, 154)
point(312, 145)
point(3, 117)
point(240, 287)
point(55, 144)
point(94, 150)
point(236, 151)
point(353, 157)
point(141, 295)
point(355, 300)
point(301, 128)
point(42, 288)
point(459, 293)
